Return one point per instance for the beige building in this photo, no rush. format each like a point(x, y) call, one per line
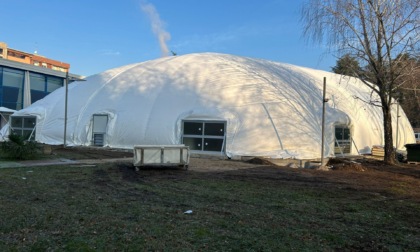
point(32, 59)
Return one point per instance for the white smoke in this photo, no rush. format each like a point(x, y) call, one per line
point(157, 26)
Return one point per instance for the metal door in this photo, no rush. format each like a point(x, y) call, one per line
point(100, 123)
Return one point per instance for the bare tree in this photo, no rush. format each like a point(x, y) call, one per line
point(374, 32)
point(409, 87)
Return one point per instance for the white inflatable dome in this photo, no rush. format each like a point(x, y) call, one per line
point(262, 108)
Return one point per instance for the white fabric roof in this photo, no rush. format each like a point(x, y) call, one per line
point(272, 109)
point(6, 110)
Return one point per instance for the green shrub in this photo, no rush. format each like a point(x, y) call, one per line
point(18, 148)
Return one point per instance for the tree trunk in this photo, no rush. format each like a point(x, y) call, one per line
point(389, 146)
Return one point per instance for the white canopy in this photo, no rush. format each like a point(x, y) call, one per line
point(6, 110)
point(271, 109)
point(4, 129)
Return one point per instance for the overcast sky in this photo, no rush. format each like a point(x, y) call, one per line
point(96, 35)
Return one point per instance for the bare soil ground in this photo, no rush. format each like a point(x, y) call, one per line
point(367, 174)
point(101, 202)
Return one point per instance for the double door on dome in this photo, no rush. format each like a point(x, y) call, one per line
point(205, 136)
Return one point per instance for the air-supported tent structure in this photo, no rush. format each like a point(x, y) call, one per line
point(216, 104)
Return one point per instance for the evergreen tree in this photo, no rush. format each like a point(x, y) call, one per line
point(347, 65)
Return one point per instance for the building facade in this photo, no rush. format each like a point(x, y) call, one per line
point(32, 59)
point(26, 78)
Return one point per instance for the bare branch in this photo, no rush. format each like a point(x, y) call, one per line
point(376, 33)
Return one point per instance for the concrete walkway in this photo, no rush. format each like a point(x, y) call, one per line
point(62, 161)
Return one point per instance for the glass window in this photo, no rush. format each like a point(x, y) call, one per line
point(29, 122)
point(12, 90)
point(338, 133)
point(17, 122)
point(204, 135)
point(214, 129)
point(213, 144)
point(346, 134)
point(342, 142)
point(13, 78)
point(23, 126)
point(193, 128)
point(53, 83)
point(12, 98)
point(193, 142)
point(37, 82)
point(37, 95)
point(42, 85)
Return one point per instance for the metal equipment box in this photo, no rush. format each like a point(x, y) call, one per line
point(161, 155)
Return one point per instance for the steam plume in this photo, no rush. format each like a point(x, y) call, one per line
point(157, 26)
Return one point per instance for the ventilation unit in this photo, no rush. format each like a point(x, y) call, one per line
point(98, 139)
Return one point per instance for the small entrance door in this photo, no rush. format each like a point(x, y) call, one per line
point(100, 123)
point(342, 140)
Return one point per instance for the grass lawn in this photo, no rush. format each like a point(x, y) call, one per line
point(111, 207)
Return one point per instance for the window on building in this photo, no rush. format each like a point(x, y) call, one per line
point(208, 136)
point(11, 88)
point(23, 126)
point(342, 140)
point(44, 65)
point(42, 85)
point(54, 83)
point(16, 55)
point(38, 86)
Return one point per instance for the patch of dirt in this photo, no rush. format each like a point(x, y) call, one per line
point(364, 174)
point(81, 153)
point(261, 161)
